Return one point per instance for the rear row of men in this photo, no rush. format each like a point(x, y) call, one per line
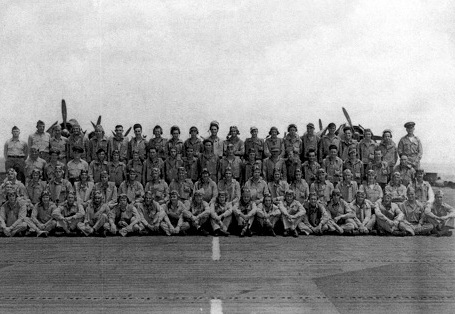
point(117, 154)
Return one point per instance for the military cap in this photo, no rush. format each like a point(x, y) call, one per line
point(275, 149)
point(39, 123)
point(439, 193)
point(100, 150)
point(54, 150)
point(122, 195)
point(387, 131)
point(78, 149)
point(321, 170)
point(274, 128)
point(215, 123)
point(310, 125)
point(14, 128)
point(291, 192)
point(253, 128)
point(336, 192)
point(347, 171)
point(333, 147)
point(222, 192)
point(193, 128)
point(352, 150)
point(205, 170)
point(409, 124)
point(199, 192)
point(371, 172)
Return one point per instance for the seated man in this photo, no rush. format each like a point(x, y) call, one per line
point(414, 214)
point(373, 191)
point(158, 187)
point(174, 210)
point(83, 189)
point(390, 218)
point(423, 190)
point(95, 215)
point(322, 187)
point(292, 213)
point(257, 186)
point(440, 215)
point(231, 186)
point(277, 187)
point(347, 187)
point(221, 215)
point(123, 216)
point(35, 187)
point(42, 214)
point(316, 218)
point(300, 187)
point(268, 214)
point(68, 214)
point(364, 218)
point(153, 218)
point(18, 186)
point(107, 189)
point(13, 220)
point(198, 213)
point(245, 213)
point(59, 187)
point(396, 188)
point(183, 186)
point(341, 216)
point(132, 187)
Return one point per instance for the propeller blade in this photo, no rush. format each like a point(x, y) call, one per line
point(320, 125)
point(347, 118)
point(113, 133)
point(64, 115)
point(127, 132)
point(98, 122)
point(94, 126)
point(51, 127)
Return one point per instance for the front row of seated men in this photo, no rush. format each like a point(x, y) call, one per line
point(266, 216)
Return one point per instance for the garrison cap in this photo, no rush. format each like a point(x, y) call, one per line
point(387, 131)
point(14, 128)
point(215, 123)
point(253, 128)
point(104, 173)
point(409, 124)
point(310, 125)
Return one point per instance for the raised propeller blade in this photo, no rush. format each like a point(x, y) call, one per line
point(127, 131)
point(320, 125)
point(98, 122)
point(348, 118)
point(93, 124)
point(64, 114)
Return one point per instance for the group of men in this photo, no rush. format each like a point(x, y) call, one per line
point(310, 184)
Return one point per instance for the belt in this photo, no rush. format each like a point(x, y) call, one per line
point(16, 156)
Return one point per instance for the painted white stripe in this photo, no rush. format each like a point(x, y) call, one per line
point(216, 249)
point(216, 306)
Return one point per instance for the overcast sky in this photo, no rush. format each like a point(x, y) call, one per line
point(242, 63)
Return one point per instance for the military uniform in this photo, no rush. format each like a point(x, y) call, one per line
point(59, 190)
point(414, 215)
point(120, 144)
point(95, 218)
point(133, 190)
point(364, 218)
point(232, 189)
point(210, 190)
point(258, 188)
point(411, 147)
point(42, 217)
point(159, 189)
point(153, 218)
point(117, 172)
point(124, 219)
point(175, 215)
point(109, 191)
point(68, 216)
point(341, 216)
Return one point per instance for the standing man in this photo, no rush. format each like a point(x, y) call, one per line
point(327, 141)
point(348, 143)
point(217, 143)
point(137, 143)
point(41, 140)
point(77, 138)
point(15, 152)
point(34, 162)
point(58, 142)
point(233, 138)
point(193, 142)
point(389, 150)
point(75, 165)
point(254, 143)
point(309, 141)
point(99, 141)
point(292, 141)
point(411, 146)
point(120, 143)
point(158, 142)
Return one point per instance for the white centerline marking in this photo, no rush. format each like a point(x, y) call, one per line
point(216, 254)
point(216, 306)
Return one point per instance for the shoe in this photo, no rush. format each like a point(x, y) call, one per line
point(249, 233)
point(221, 232)
point(373, 232)
point(243, 233)
point(203, 232)
point(122, 232)
point(272, 233)
point(285, 233)
point(43, 234)
point(295, 234)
